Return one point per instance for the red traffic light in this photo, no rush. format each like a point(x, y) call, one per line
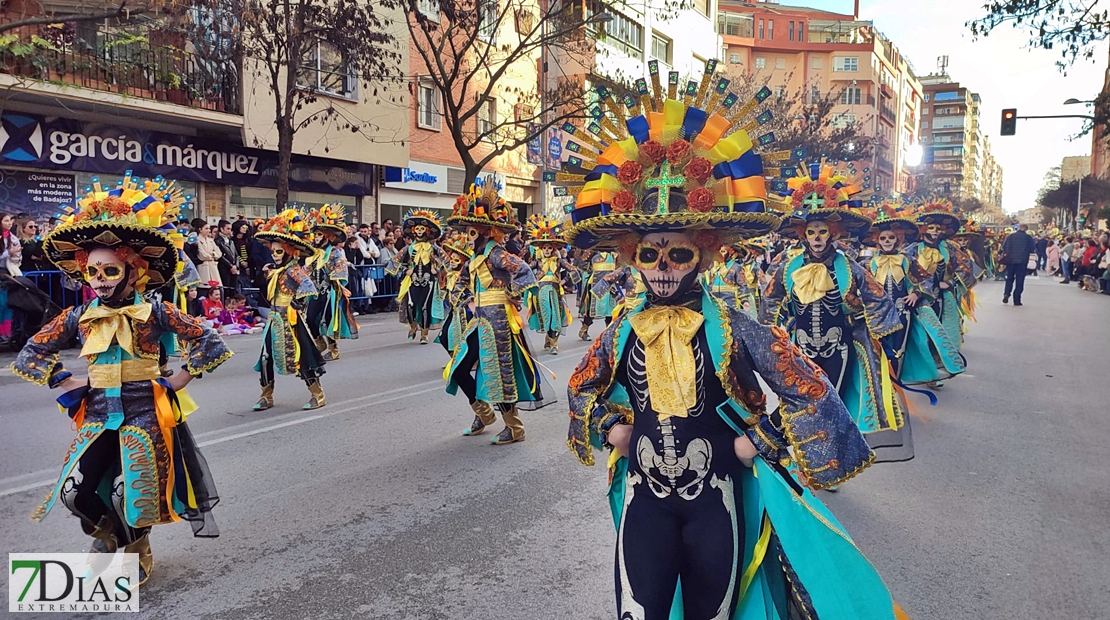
point(1009, 122)
point(1008, 114)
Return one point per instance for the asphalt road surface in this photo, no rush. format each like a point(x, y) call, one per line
point(376, 507)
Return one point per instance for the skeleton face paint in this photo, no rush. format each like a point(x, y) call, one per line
point(548, 251)
point(319, 239)
point(473, 234)
point(668, 262)
point(107, 275)
point(817, 237)
point(277, 248)
point(420, 231)
point(888, 241)
point(933, 232)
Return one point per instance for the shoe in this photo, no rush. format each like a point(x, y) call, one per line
point(584, 333)
point(1005, 299)
point(146, 557)
point(1018, 303)
point(318, 399)
point(423, 336)
point(333, 350)
point(412, 333)
point(477, 427)
point(267, 399)
point(483, 417)
point(514, 428)
point(935, 384)
point(506, 437)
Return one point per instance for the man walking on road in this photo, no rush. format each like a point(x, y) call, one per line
point(1015, 255)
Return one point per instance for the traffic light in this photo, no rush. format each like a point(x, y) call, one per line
point(1009, 121)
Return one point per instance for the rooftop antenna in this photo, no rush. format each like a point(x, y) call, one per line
point(942, 65)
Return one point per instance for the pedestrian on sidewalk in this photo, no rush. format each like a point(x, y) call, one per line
point(1016, 252)
point(1066, 261)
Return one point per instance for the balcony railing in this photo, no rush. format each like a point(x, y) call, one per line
point(887, 114)
point(125, 64)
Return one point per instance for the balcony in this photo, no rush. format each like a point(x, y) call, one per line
point(884, 163)
point(126, 64)
point(887, 114)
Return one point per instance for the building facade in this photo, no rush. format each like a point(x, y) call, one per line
point(815, 52)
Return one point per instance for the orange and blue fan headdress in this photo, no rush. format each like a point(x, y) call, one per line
point(330, 217)
point(542, 229)
point(291, 227)
point(821, 191)
point(459, 245)
point(656, 161)
point(893, 214)
point(418, 217)
point(483, 206)
point(135, 218)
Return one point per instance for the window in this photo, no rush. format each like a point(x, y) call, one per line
point(429, 8)
point(817, 62)
point(780, 92)
point(927, 97)
point(791, 31)
point(734, 58)
point(846, 63)
point(660, 47)
point(780, 63)
point(324, 70)
point(429, 113)
point(621, 32)
point(814, 94)
point(924, 111)
point(488, 15)
point(843, 121)
point(760, 62)
point(948, 96)
point(924, 124)
point(801, 31)
point(735, 25)
point(771, 29)
point(702, 6)
point(487, 118)
point(851, 96)
point(761, 29)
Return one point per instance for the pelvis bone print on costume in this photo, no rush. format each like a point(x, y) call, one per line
point(673, 468)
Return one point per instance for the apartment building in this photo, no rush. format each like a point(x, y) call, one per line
point(796, 49)
point(958, 158)
point(105, 99)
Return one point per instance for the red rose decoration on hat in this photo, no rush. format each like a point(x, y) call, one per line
point(832, 197)
point(653, 152)
point(808, 187)
point(679, 152)
point(624, 201)
point(699, 169)
point(700, 200)
point(630, 173)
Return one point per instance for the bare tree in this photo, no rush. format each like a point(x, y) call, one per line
point(1073, 27)
point(90, 12)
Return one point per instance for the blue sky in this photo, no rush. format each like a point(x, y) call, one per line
point(1003, 70)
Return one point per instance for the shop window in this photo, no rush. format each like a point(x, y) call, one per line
point(324, 70)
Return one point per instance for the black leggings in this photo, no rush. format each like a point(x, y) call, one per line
point(101, 460)
point(589, 320)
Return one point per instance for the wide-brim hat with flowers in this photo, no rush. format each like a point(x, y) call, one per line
point(422, 217)
point(544, 230)
point(660, 161)
point(459, 245)
point(135, 219)
point(291, 227)
point(942, 212)
point(483, 206)
point(822, 191)
point(891, 214)
point(970, 230)
point(330, 218)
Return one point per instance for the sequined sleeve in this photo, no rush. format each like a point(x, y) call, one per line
point(878, 308)
point(519, 276)
point(187, 276)
point(773, 308)
point(828, 446)
point(586, 390)
point(38, 361)
point(337, 266)
point(204, 348)
point(300, 283)
point(923, 282)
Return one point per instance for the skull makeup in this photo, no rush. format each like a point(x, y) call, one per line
point(420, 231)
point(108, 276)
point(548, 250)
point(278, 249)
point(668, 262)
point(818, 236)
point(454, 260)
point(473, 234)
point(933, 233)
point(319, 239)
point(888, 241)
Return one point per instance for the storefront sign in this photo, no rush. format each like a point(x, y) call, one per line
point(417, 177)
point(65, 144)
point(36, 193)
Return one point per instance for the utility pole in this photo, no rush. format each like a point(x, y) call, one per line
point(1079, 198)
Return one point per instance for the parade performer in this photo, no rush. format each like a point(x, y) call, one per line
point(594, 301)
point(419, 297)
point(949, 277)
point(456, 253)
point(734, 279)
point(836, 311)
point(287, 345)
point(329, 312)
point(547, 310)
point(752, 278)
point(710, 523)
point(134, 463)
point(492, 285)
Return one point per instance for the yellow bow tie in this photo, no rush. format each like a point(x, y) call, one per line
point(105, 324)
point(422, 253)
point(929, 258)
point(667, 333)
point(889, 265)
point(550, 265)
point(811, 282)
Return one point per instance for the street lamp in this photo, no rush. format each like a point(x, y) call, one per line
point(1073, 101)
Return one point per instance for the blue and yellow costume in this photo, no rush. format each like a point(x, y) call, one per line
point(456, 254)
point(594, 301)
point(420, 301)
point(700, 534)
point(329, 313)
point(134, 463)
point(548, 312)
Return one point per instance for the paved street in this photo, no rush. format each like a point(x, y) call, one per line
point(376, 507)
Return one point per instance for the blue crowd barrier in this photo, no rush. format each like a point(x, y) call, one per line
point(386, 286)
point(52, 283)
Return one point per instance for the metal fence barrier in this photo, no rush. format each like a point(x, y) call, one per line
point(53, 283)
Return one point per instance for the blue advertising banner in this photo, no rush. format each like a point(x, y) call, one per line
point(36, 193)
point(535, 145)
point(66, 144)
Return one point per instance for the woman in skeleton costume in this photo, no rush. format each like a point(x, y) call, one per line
point(133, 464)
point(836, 311)
point(287, 346)
point(419, 296)
point(329, 312)
point(947, 284)
point(710, 521)
point(921, 349)
point(456, 253)
point(547, 310)
point(594, 301)
point(492, 285)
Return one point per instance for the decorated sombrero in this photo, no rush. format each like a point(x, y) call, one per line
point(970, 230)
point(483, 206)
point(422, 217)
point(290, 226)
point(656, 162)
point(542, 229)
point(135, 219)
point(331, 218)
point(821, 191)
point(892, 214)
point(754, 247)
point(942, 212)
point(459, 245)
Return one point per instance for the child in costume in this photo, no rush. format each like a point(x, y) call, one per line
point(329, 313)
point(456, 253)
point(710, 521)
point(287, 345)
point(133, 464)
point(547, 310)
point(837, 313)
point(492, 285)
point(419, 296)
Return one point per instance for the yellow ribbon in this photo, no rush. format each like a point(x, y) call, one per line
point(317, 260)
point(422, 253)
point(103, 324)
point(929, 258)
point(550, 268)
point(889, 265)
point(667, 333)
point(811, 282)
point(275, 277)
